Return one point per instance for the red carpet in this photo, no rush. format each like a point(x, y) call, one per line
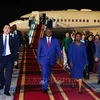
point(29, 81)
point(59, 89)
point(38, 34)
point(71, 93)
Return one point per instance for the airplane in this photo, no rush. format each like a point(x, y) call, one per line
point(71, 19)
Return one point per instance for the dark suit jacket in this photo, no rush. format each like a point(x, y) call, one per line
point(19, 38)
point(43, 53)
point(12, 44)
point(97, 53)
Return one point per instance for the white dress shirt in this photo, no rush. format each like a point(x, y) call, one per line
point(15, 32)
point(12, 34)
point(47, 39)
point(7, 44)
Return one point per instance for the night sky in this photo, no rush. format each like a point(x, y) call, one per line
point(11, 12)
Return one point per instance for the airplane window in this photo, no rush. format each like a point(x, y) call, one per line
point(72, 20)
point(87, 20)
point(76, 20)
point(94, 20)
point(80, 20)
point(83, 20)
point(68, 20)
point(61, 20)
point(65, 20)
point(57, 20)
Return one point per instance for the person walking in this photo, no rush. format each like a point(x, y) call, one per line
point(77, 60)
point(47, 53)
point(65, 44)
point(8, 58)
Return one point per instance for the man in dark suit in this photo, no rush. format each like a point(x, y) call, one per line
point(48, 51)
point(19, 38)
point(7, 58)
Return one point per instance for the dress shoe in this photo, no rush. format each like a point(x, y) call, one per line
point(45, 91)
point(7, 93)
point(1, 86)
point(98, 81)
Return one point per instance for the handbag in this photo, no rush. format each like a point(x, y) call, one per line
point(86, 73)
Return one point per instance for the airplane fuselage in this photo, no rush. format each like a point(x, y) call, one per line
point(63, 19)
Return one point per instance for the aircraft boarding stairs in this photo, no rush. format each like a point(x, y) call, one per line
point(37, 30)
point(35, 33)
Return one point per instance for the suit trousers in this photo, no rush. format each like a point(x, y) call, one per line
point(6, 69)
point(46, 73)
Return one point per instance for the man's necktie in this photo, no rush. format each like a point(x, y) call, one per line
point(4, 50)
point(48, 42)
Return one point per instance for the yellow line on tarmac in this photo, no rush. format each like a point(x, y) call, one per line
point(49, 92)
point(89, 91)
point(21, 95)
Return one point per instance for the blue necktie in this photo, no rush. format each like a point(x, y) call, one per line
point(4, 50)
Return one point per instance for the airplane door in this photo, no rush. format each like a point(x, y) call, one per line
point(49, 23)
point(42, 18)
